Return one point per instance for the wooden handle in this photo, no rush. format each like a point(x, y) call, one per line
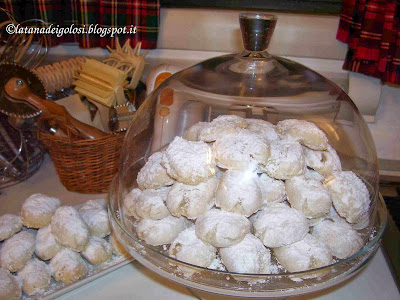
point(19, 90)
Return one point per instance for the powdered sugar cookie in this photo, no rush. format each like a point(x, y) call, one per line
point(221, 126)
point(117, 247)
point(312, 174)
point(187, 247)
point(239, 192)
point(153, 175)
point(99, 251)
point(37, 210)
point(9, 286)
point(272, 190)
point(264, 128)
point(221, 229)
point(192, 134)
point(9, 225)
point(36, 277)
point(309, 196)
point(191, 201)
point(286, 160)
point(279, 225)
point(189, 162)
point(350, 196)
point(161, 232)
point(46, 244)
point(96, 218)
point(341, 239)
point(308, 253)
point(17, 251)
point(69, 229)
point(248, 256)
point(151, 204)
point(306, 133)
point(129, 203)
point(242, 150)
point(325, 162)
point(67, 266)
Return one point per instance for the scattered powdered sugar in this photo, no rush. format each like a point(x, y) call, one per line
point(189, 162)
point(217, 264)
point(9, 225)
point(241, 150)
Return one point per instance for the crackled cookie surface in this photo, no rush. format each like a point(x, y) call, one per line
point(279, 225)
point(239, 192)
point(272, 190)
point(308, 253)
point(153, 175)
point(191, 201)
point(350, 196)
point(242, 150)
point(189, 162)
point(222, 229)
point(302, 131)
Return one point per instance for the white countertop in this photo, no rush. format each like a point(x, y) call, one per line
point(135, 281)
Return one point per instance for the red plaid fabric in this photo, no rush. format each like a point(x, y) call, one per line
point(371, 28)
point(144, 14)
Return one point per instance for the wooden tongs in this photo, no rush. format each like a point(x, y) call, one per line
point(17, 90)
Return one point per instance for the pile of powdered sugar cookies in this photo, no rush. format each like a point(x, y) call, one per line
point(50, 240)
point(256, 196)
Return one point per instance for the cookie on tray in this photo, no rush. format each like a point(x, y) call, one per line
point(67, 266)
point(46, 244)
point(17, 251)
point(9, 225)
point(37, 210)
point(36, 277)
point(99, 251)
point(10, 288)
point(96, 218)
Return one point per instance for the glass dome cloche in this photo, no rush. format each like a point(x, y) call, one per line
point(249, 175)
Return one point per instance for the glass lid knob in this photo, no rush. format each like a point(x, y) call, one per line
point(257, 30)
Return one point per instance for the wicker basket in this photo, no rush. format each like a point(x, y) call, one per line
point(84, 166)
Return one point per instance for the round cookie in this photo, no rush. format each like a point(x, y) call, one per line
point(272, 190)
point(309, 196)
point(37, 210)
point(187, 247)
point(189, 162)
point(221, 229)
point(306, 133)
point(191, 201)
point(264, 128)
point(150, 204)
point(350, 196)
point(96, 218)
point(192, 134)
point(242, 150)
point(46, 244)
point(221, 126)
point(9, 286)
point(9, 225)
point(161, 232)
point(67, 266)
point(286, 160)
point(129, 203)
point(99, 251)
point(342, 240)
point(325, 162)
point(279, 225)
point(36, 277)
point(239, 192)
point(306, 254)
point(17, 251)
point(69, 229)
point(153, 175)
point(248, 256)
